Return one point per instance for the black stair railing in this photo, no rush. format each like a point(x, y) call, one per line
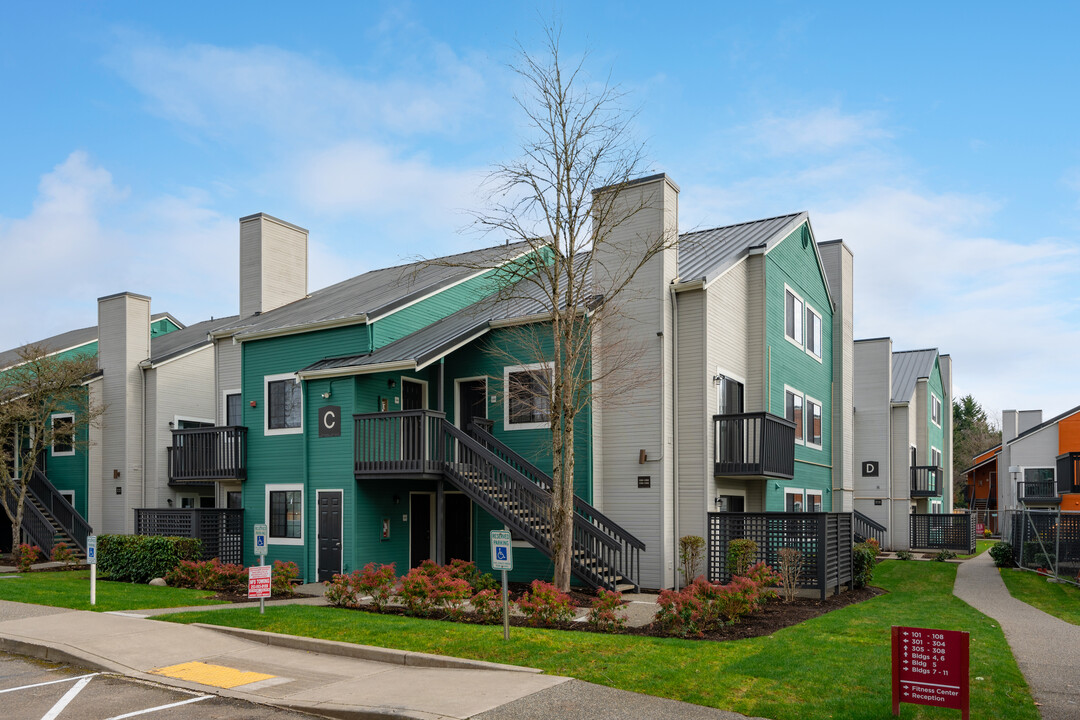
point(35, 526)
point(584, 512)
point(527, 508)
point(56, 505)
point(865, 527)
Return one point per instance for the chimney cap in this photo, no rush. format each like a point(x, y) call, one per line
point(264, 216)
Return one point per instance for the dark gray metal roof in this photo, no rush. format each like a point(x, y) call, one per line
point(436, 340)
point(704, 254)
point(377, 292)
point(56, 343)
point(908, 367)
point(179, 342)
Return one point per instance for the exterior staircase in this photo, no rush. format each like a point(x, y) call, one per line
point(505, 485)
point(49, 519)
point(865, 527)
point(981, 507)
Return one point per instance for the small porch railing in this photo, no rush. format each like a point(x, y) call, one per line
point(214, 453)
point(866, 527)
point(925, 481)
point(1037, 491)
point(220, 529)
point(405, 442)
point(760, 444)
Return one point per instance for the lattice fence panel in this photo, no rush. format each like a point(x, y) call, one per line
point(943, 532)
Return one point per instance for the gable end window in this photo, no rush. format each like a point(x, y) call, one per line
point(813, 332)
point(63, 441)
point(935, 409)
point(813, 422)
point(284, 404)
point(527, 400)
point(793, 411)
point(793, 317)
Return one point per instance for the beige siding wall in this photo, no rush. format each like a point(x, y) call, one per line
point(904, 428)
point(94, 470)
point(945, 363)
point(872, 390)
point(181, 388)
point(839, 269)
point(757, 363)
point(639, 416)
point(694, 474)
point(226, 374)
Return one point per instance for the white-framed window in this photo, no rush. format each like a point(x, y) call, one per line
point(283, 405)
point(794, 500)
point(813, 333)
point(63, 431)
point(528, 400)
point(935, 409)
point(935, 457)
point(793, 411)
point(813, 422)
point(793, 316)
point(813, 501)
point(285, 514)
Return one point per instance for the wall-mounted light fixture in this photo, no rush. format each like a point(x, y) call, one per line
point(391, 383)
point(170, 423)
point(169, 501)
point(326, 395)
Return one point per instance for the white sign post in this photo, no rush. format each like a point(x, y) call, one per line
point(91, 557)
point(260, 550)
point(502, 558)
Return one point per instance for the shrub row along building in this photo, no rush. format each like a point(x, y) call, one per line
point(370, 420)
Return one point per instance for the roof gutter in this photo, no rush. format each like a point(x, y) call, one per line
point(241, 336)
point(357, 370)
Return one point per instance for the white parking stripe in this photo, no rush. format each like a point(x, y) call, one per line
point(68, 697)
point(160, 707)
point(50, 682)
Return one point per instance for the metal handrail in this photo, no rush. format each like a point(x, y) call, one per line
point(66, 516)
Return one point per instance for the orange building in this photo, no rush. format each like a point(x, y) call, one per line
point(981, 489)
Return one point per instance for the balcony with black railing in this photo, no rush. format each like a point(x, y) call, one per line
point(1042, 492)
point(754, 444)
point(926, 481)
point(213, 453)
point(403, 443)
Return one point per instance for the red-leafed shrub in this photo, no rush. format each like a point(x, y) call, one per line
point(26, 555)
point(545, 604)
point(281, 580)
point(604, 615)
point(487, 604)
point(377, 582)
point(429, 589)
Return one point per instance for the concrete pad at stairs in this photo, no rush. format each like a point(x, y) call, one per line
point(304, 674)
point(1046, 649)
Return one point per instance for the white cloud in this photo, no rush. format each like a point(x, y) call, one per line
point(819, 131)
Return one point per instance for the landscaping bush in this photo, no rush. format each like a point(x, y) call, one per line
point(341, 590)
point(466, 570)
point(1033, 549)
point(904, 555)
point(1002, 553)
point(61, 553)
point(862, 559)
point(604, 615)
point(377, 582)
point(943, 555)
point(26, 555)
point(691, 551)
point(428, 589)
point(703, 606)
point(487, 604)
point(680, 612)
point(545, 604)
point(766, 579)
point(740, 554)
point(986, 532)
point(874, 545)
point(209, 575)
point(791, 567)
point(141, 558)
point(282, 577)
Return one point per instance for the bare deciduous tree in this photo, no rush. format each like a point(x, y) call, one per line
point(567, 258)
point(40, 386)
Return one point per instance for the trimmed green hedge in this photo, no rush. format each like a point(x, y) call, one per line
point(141, 558)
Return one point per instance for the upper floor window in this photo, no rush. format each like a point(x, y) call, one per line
point(63, 440)
point(528, 401)
point(813, 422)
point(813, 332)
point(935, 409)
point(935, 457)
point(793, 316)
point(793, 411)
point(284, 404)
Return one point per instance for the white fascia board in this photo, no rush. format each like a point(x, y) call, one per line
point(522, 320)
point(55, 352)
point(456, 346)
point(358, 370)
point(149, 365)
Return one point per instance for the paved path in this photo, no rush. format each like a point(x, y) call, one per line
point(1046, 648)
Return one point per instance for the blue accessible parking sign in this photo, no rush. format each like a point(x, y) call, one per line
point(502, 557)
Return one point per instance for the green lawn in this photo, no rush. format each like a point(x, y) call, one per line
point(981, 546)
point(835, 666)
point(1058, 599)
point(72, 590)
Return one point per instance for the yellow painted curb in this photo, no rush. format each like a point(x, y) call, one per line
point(212, 675)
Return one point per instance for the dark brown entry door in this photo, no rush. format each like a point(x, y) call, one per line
point(472, 401)
point(329, 534)
point(458, 527)
point(419, 528)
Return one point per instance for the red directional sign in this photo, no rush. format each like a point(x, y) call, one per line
point(259, 581)
point(930, 667)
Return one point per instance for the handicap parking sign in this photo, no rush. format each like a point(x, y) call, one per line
point(260, 539)
point(501, 556)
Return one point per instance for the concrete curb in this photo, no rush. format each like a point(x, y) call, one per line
point(362, 652)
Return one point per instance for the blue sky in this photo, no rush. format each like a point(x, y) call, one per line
point(937, 139)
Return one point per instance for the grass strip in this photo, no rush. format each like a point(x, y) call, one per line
point(981, 546)
point(71, 589)
point(834, 666)
point(1058, 599)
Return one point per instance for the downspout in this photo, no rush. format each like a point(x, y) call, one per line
point(675, 419)
point(312, 559)
point(143, 433)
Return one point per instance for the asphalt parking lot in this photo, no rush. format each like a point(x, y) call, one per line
point(35, 690)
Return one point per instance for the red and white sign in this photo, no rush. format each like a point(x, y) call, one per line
point(930, 667)
point(259, 581)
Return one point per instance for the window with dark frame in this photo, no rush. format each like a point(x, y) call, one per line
point(233, 410)
point(284, 404)
point(63, 431)
point(793, 501)
point(527, 396)
point(793, 316)
point(285, 513)
point(794, 412)
point(813, 333)
point(813, 502)
point(813, 427)
point(935, 409)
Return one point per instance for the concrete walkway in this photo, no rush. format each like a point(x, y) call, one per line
point(1047, 649)
point(330, 679)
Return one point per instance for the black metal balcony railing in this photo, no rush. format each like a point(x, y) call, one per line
point(925, 481)
point(758, 443)
point(404, 442)
point(214, 453)
point(1037, 491)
